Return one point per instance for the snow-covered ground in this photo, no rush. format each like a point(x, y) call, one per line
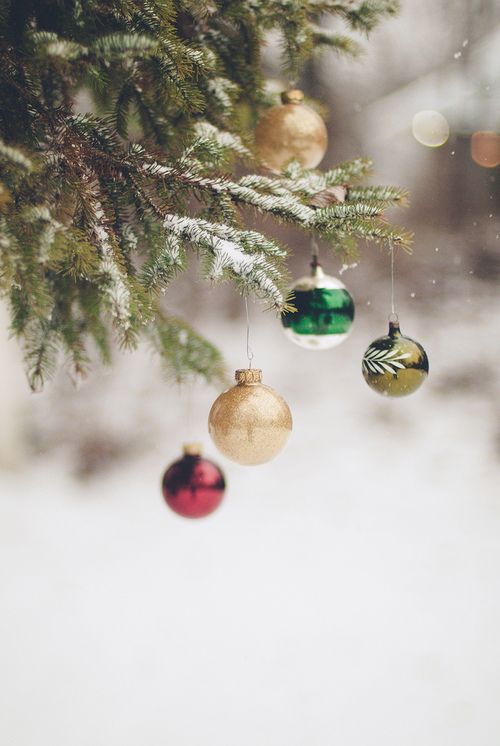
point(345, 593)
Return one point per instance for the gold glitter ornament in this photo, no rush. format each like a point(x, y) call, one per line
point(395, 365)
point(291, 131)
point(250, 423)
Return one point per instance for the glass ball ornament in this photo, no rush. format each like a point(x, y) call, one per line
point(250, 423)
point(291, 131)
point(325, 311)
point(193, 486)
point(395, 365)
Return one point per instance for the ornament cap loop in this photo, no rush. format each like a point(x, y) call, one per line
point(248, 375)
point(192, 449)
point(295, 96)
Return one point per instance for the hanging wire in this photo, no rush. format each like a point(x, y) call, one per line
point(314, 252)
point(189, 408)
point(185, 403)
point(393, 315)
point(249, 349)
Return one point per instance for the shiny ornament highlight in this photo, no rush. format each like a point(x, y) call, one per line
point(291, 131)
point(395, 365)
point(250, 423)
point(325, 311)
point(193, 486)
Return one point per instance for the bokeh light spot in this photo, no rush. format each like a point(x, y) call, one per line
point(430, 128)
point(485, 149)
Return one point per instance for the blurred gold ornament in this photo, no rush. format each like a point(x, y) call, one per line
point(395, 365)
point(485, 149)
point(430, 128)
point(291, 131)
point(250, 423)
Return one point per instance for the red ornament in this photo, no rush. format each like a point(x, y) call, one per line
point(193, 486)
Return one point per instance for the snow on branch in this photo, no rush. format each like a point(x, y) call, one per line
point(14, 156)
point(161, 266)
point(115, 286)
point(297, 179)
point(285, 205)
point(244, 254)
point(388, 194)
point(227, 140)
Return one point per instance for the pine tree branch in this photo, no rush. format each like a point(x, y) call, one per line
point(98, 209)
point(185, 354)
point(41, 349)
point(240, 255)
point(389, 195)
point(338, 42)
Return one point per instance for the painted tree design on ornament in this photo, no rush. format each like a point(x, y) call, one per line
point(380, 361)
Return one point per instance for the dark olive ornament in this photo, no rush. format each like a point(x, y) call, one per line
point(395, 365)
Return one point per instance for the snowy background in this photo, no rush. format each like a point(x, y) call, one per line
point(347, 592)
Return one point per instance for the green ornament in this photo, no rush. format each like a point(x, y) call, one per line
point(395, 365)
point(325, 311)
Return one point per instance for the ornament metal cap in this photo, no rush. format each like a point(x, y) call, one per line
point(295, 96)
point(317, 269)
point(394, 329)
point(248, 375)
point(192, 449)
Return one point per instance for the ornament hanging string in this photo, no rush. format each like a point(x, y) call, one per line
point(314, 252)
point(393, 315)
point(189, 409)
point(186, 404)
point(249, 349)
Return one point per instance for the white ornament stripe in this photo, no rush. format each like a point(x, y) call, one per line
point(381, 361)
